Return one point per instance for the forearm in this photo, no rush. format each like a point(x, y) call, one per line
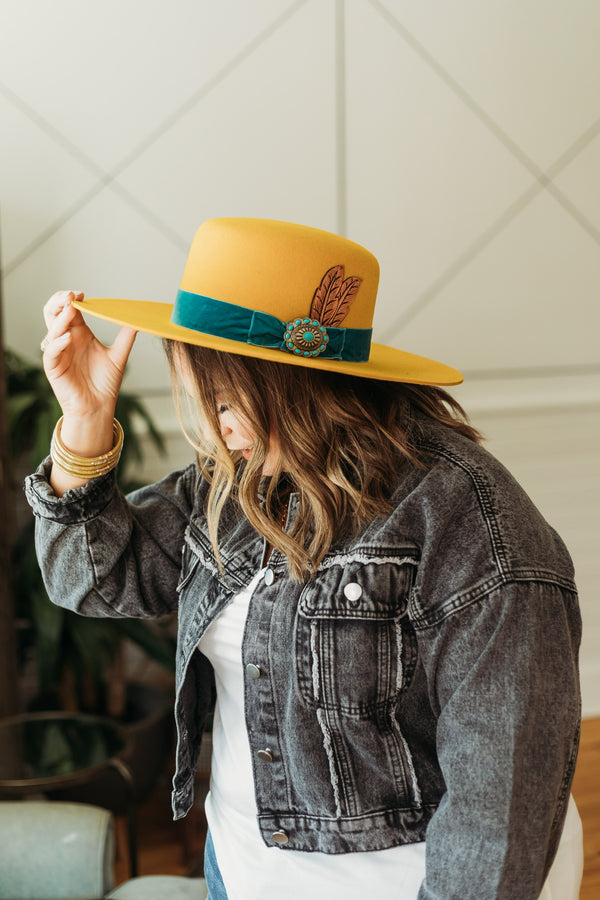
point(104, 555)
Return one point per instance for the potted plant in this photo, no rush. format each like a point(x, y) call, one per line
point(77, 663)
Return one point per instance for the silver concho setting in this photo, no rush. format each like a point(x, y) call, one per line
point(305, 337)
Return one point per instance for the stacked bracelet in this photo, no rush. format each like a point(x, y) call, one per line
point(83, 466)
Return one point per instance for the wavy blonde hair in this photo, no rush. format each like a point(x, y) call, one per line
point(343, 442)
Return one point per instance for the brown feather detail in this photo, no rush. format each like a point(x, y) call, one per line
point(330, 285)
point(337, 311)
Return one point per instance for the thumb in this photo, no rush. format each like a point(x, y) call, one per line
point(122, 346)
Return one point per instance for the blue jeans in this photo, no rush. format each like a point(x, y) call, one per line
point(212, 874)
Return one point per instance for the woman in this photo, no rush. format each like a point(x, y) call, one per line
point(391, 627)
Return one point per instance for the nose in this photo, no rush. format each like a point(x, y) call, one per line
point(225, 424)
point(224, 430)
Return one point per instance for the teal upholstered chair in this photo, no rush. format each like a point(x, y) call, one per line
point(65, 851)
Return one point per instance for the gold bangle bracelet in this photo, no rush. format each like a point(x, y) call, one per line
point(84, 466)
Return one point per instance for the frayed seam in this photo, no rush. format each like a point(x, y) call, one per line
point(411, 768)
point(399, 666)
point(328, 745)
point(316, 671)
point(365, 558)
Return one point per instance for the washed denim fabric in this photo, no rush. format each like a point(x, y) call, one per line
point(423, 685)
point(212, 873)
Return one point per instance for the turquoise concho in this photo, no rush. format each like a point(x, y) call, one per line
point(305, 337)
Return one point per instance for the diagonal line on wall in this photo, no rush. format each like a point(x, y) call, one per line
point(543, 177)
point(543, 180)
point(457, 88)
point(226, 70)
point(465, 259)
point(486, 237)
point(105, 180)
point(461, 262)
point(108, 179)
point(561, 163)
point(53, 133)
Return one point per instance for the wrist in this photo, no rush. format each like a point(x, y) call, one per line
point(72, 469)
point(87, 436)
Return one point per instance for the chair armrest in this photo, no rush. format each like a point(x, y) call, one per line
point(55, 851)
point(158, 887)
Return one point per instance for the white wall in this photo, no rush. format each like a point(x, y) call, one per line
point(459, 141)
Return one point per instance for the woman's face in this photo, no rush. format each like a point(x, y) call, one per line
point(238, 434)
point(236, 431)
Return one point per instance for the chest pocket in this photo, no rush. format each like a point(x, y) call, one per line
point(355, 650)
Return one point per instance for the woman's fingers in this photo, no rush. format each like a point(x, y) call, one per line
point(57, 304)
point(122, 346)
point(84, 373)
point(59, 314)
point(53, 347)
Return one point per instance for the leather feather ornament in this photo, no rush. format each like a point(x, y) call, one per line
point(333, 296)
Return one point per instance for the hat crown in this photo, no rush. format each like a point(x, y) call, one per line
point(279, 268)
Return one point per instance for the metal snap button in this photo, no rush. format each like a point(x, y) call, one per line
point(353, 592)
point(265, 755)
point(253, 671)
point(269, 577)
point(280, 837)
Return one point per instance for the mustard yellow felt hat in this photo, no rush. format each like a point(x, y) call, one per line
point(278, 291)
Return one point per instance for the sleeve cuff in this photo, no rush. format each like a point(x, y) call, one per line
point(75, 506)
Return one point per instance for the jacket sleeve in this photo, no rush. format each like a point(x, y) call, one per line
point(103, 554)
point(503, 679)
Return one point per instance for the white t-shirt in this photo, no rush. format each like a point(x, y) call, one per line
point(250, 869)
point(253, 871)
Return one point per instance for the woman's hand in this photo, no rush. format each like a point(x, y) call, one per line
point(85, 376)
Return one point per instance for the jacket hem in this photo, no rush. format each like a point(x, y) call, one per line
point(372, 831)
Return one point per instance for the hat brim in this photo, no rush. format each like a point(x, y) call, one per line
point(385, 363)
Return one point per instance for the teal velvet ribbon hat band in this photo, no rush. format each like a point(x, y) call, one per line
point(303, 336)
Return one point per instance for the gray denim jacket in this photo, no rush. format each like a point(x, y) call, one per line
point(423, 684)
